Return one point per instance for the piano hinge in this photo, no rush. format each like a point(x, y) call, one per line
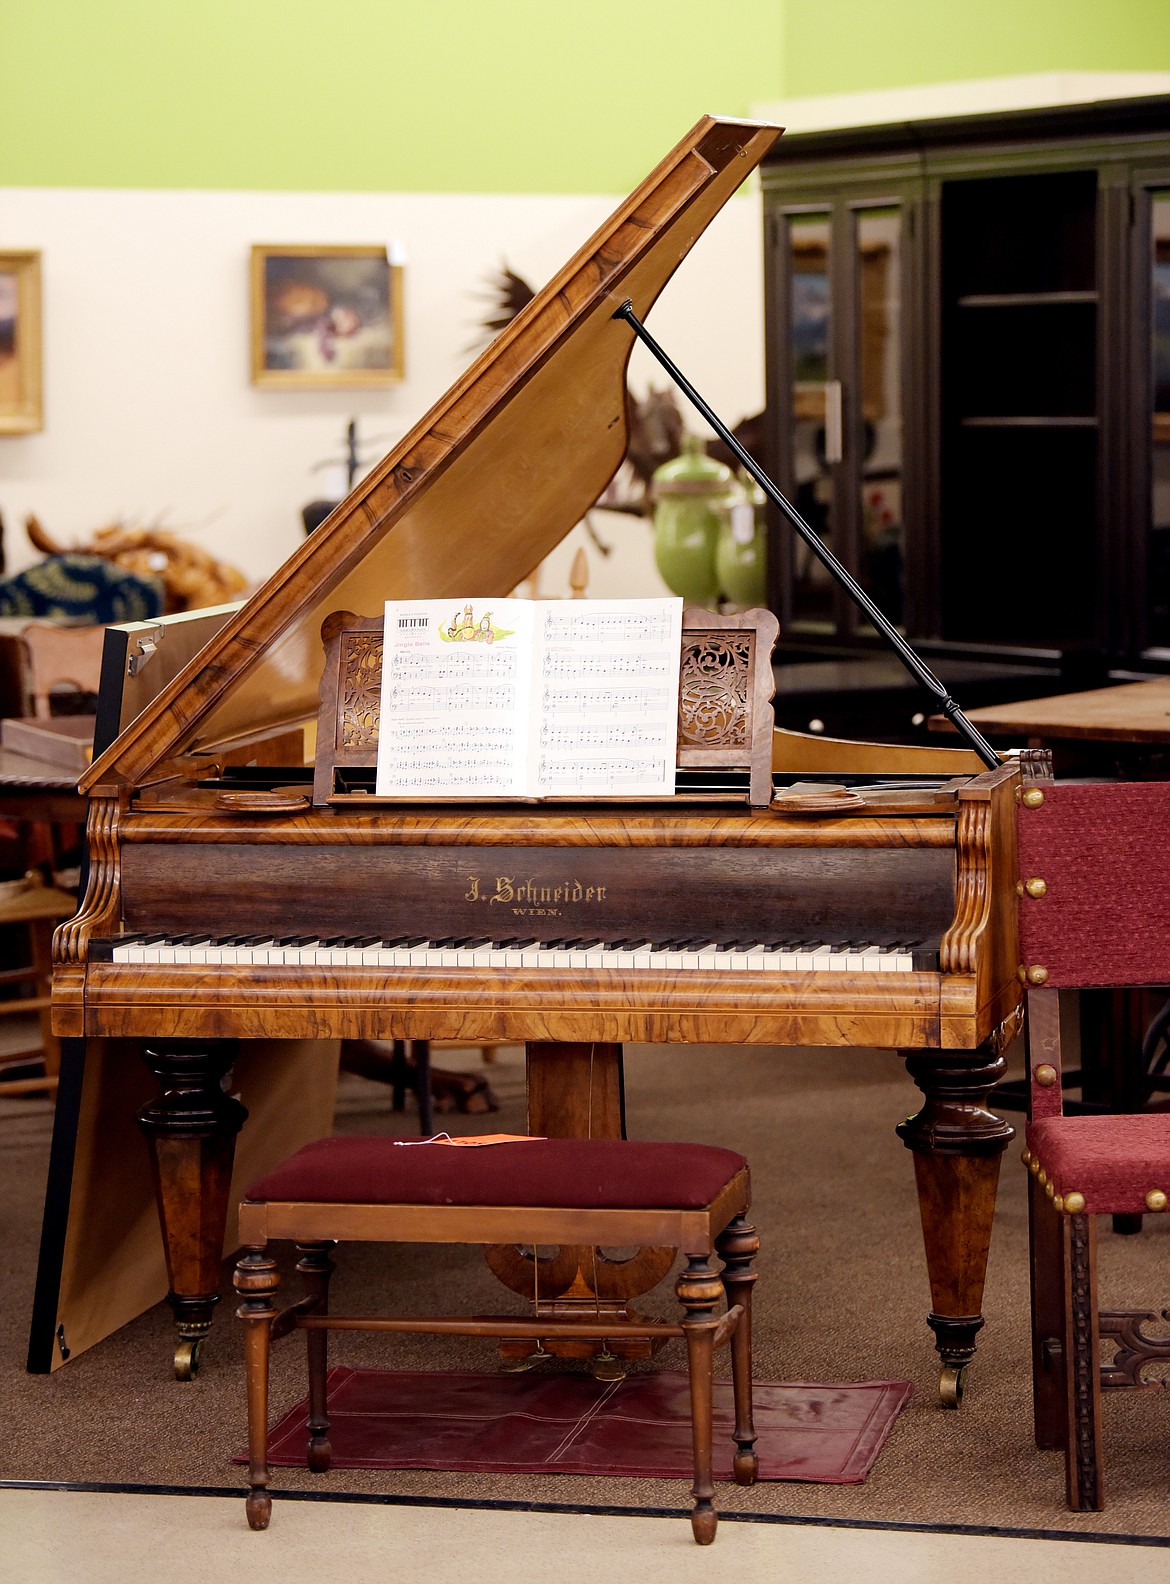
point(147, 649)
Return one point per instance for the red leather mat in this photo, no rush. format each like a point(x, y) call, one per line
point(572, 1424)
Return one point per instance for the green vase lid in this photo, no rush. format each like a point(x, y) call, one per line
point(692, 472)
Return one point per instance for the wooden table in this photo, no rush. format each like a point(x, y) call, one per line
point(1134, 712)
point(1117, 732)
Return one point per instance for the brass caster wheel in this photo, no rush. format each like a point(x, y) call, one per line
point(950, 1385)
point(187, 1358)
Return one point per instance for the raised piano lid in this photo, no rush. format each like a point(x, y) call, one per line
point(479, 492)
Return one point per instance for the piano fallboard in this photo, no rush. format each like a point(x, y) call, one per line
point(726, 892)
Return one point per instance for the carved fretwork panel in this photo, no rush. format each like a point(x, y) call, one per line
point(1137, 1349)
point(716, 685)
point(359, 691)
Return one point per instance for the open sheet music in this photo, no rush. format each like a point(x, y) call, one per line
point(529, 698)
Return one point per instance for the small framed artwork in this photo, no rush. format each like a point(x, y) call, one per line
point(325, 317)
point(21, 409)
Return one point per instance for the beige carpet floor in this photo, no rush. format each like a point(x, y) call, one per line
point(842, 1296)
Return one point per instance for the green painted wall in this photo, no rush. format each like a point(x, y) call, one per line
point(842, 46)
point(459, 95)
point(374, 95)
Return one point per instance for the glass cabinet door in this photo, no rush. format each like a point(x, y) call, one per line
point(1158, 544)
point(836, 387)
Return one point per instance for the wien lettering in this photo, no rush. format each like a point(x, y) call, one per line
point(529, 892)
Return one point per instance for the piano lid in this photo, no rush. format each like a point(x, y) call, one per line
point(483, 487)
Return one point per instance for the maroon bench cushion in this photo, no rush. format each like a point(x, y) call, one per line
point(1113, 1160)
point(601, 1174)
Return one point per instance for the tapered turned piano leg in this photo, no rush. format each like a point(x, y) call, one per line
point(191, 1127)
point(957, 1144)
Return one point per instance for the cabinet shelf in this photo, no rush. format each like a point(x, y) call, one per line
point(1037, 299)
point(1029, 423)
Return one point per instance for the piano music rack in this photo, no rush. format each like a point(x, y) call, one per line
point(725, 716)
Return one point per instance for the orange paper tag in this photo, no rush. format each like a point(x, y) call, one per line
point(475, 1140)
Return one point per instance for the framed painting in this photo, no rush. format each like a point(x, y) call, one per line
point(325, 317)
point(21, 410)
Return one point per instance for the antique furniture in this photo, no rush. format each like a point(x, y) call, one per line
point(613, 1192)
point(966, 374)
point(28, 904)
point(1113, 730)
point(884, 919)
point(1094, 911)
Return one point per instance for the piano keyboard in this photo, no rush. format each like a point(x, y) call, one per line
point(636, 955)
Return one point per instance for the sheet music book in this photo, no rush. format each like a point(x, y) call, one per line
point(529, 698)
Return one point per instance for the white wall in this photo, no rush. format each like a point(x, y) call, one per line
point(149, 414)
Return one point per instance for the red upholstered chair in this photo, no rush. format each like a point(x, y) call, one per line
point(575, 1192)
point(1094, 913)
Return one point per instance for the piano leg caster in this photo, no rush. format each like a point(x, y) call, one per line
point(187, 1352)
point(950, 1385)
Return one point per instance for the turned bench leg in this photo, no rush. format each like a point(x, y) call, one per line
point(256, 1280)
point(737, 1246)
point(316, 1268)
point(700, 1291)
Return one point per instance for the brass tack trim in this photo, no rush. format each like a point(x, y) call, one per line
point(1042, 1175)
point(1026, 1157)
point(1035, 887)
point(1037, 974)
point(1058, 1202)
point(1032, 798)
point(1074, 1203)
point(1034, 1166)
point(1049, 1187)
point(1155, 1199)
point(1045, 1075)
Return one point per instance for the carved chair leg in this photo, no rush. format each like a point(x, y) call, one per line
point(316, 1268)
point(737, 1246)
point(700, 1292)
point(1046, 1253)
point(1084, 1481)
point(256, 1280)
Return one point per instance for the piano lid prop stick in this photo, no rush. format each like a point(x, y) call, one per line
point(917, 667)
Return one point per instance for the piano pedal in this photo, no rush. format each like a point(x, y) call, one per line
point(606, 1366)
point(519, 1363)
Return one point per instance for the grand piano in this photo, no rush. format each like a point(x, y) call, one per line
point(242, 917)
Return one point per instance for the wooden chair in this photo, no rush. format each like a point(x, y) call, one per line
point(56, 657)
point(36, 907)
point(607, 1192)
point(1094, 913)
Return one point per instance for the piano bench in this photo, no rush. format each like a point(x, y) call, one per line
point(526, 1192)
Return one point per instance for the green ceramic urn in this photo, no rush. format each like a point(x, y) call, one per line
point(741, 552)
point(689, 492)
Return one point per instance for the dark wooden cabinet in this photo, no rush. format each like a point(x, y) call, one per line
point(968, 327)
